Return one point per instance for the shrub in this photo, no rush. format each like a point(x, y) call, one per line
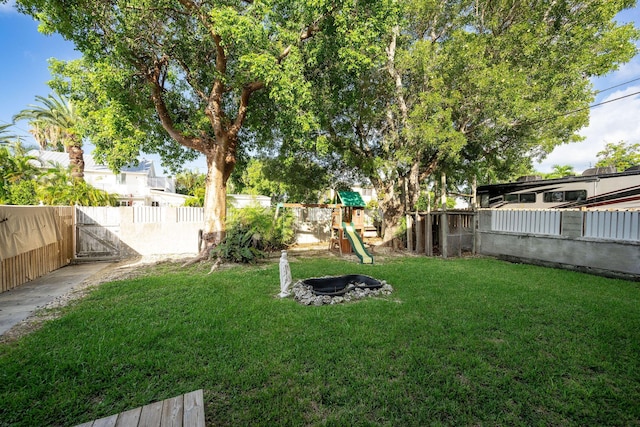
point(252, 232)
point(23, 193)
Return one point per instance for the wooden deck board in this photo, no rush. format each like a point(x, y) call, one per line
point(106, 421)
point(194, 409)
point(172, 412)
point(129, 418)
point(151, 414)
point(181, 411)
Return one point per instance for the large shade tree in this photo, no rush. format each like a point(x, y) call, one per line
point(469, 87)
point(184, 76)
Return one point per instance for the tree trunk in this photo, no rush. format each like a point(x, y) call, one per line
point(76, 161)
point(413, 185)
point(392, 210)
point(215, 199)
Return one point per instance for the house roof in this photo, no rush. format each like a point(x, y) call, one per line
point(351, 198)
point(47, 157)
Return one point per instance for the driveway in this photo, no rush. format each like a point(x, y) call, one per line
point(19, 303)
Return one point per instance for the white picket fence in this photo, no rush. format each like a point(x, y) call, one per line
point(154, 214)
point(148, 214)
point(612, 225)
point(544, 222)
point(185, 214)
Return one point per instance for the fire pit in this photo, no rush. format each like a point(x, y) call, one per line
point(340, 285)
point(338, 289)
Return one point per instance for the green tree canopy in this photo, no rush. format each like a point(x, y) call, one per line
point(560, 171)
point(292, 179)
point(470, 88)
point(184, 76)
point(188, 182)
point(17, 174)
point(621, 155)
point(59, 187)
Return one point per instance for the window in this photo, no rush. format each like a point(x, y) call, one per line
point(156, 204)
point(554, 196)
point(121, 178)
point(574, 196)
point(520, 198)
point(565, 196)
point(528, 198)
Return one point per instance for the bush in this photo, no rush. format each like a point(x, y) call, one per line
point(23, 193)
point(252, 232)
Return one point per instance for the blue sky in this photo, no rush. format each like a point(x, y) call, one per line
point(24, 74)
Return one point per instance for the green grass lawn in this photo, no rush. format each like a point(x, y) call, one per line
point(459, 342)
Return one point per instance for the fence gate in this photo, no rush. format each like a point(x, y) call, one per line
point(97, 232)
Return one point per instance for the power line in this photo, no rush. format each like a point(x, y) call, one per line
point(598, 104)
point(618, 85)
point(584, 108)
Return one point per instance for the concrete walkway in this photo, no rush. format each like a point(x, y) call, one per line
point(19, 303)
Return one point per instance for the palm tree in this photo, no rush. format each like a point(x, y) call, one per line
point(54, 125)
point(5, 136)
point(15, 166)
point(560, 171)
point(59, 188)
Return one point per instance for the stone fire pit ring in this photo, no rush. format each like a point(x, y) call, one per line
point(339, 285)
point(338, 289)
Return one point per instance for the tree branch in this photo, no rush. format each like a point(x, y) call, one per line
point(165, 117)
point(247, 90)
point(307, 33)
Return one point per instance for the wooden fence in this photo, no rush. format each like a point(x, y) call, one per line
point(444, 233)
point(38, 262)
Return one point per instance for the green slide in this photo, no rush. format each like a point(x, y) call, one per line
point(356, 244)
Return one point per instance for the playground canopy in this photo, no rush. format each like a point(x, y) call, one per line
point(351, 199)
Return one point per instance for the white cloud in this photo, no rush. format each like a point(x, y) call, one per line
point(629, 70)
point(609, 123)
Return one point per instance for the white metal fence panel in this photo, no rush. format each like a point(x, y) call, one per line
point(612, 225)
point(546, 222)
point(148, 214)
point(186, 214)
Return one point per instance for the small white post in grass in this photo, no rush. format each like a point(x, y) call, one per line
point(285, 276)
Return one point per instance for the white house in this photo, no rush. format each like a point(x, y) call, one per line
point(135, 185)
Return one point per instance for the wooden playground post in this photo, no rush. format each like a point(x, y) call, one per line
point(428, 234)
point(409, 232)
point(444, 223)
point(418, 225)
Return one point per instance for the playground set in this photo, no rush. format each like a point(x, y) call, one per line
point(347, 223)
point(347, 226)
